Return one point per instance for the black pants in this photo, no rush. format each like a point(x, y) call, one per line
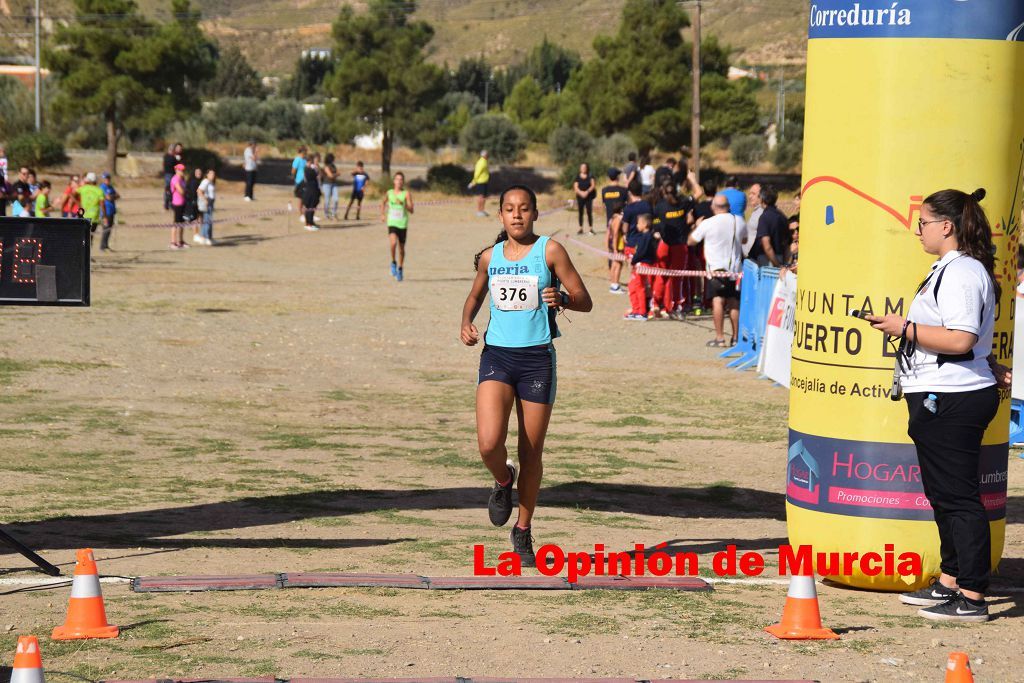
point(587, 205)
point(108, 225)
point(948, 449)
point(250, 182)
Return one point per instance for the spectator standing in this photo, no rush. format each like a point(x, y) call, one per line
point(192, 213)
point(3, 162)
point(630, 169)
point(723, 236)
point(91, 199)
point(737, 200)
point(613, 196)
point(771, 244)
point(250, 164)
point(5, 195)
point(299, 177)
point(664, 173)
point(754, 203)
point(585, 190)
point(110, 197)
point(646, 253)
point(481, 177)
point(670, 220)
point(171, 159)
point(69, 205)
point(647, 174)
point(19, 206)
point(311, 190)
point(33, 191)
point(329, 187)
point(42, 202)
point(207, 196)
point(20, 184)
point(177, 185)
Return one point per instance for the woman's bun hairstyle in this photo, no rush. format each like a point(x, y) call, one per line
point(978, 194)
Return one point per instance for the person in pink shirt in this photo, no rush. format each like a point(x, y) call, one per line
point(178, 206)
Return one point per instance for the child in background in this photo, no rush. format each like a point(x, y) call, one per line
point(43, 207)
point(69, 199)
point(3, 161)
point(19, 207)
point(33, 188)
point(208, 195)
point(110, 197)
point(359, 180)
point(646, 253)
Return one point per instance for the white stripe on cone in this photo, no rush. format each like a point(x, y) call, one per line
point(802, 587)
point(85, 586)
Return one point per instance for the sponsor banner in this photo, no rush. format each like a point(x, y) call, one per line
point(776, 352)
point(1017, 391)
point(964, 19)
point(879, 480)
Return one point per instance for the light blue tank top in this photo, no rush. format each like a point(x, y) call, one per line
point(518, 284)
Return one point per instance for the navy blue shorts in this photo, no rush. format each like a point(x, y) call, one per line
point(530, 371)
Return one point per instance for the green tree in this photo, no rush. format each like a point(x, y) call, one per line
point(476, 75)
point(503, 139)
point(16, 114)
point(382, 80)
point(311, 70)
point(133, 72)
point(525, 106)
point(727, 108)
point(551, 65)
point(234, 77)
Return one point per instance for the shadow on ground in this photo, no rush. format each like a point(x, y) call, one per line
point(159, 526)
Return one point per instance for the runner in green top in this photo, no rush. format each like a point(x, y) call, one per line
point(394, 212)
point(90, 198)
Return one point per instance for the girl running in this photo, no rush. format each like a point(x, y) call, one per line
point(395, 211)
point(522, 272)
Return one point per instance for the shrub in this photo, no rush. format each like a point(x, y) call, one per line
point(244, 132)
point(197, 157)
point(316, 128)
point(788, 154)
point(502, 138)
point(190, 133)
point(448, 178)
point(282, 117)
point(748, 150)
point(278, 118)
point(615, 148)
point(570, 145)
point(36, 149)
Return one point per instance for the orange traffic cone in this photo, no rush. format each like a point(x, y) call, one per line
point(28, 662)
point(86, 616)
point(801, 619)
point(958, 668)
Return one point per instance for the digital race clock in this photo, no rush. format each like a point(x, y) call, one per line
point(44, 262)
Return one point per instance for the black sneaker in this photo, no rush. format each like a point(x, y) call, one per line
point(933, 594)
point(957, 609)
point(499, 505)
point(522, 545)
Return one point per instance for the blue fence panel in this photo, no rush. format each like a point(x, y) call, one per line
point(747, 337)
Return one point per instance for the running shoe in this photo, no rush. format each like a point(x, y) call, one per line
point(197, 239)
point(957, 609)
point(399, 275)
point(499, 505)
point(479, 214)
point(522, 545)
point(312, 228)
point(932, 594)
point(635, 317)
point(394, 269)
point(616, 289)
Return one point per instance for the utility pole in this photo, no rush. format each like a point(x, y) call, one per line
point(780, 106)
point(39, 80)
point(695, 115)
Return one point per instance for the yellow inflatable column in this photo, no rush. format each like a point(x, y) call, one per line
point(903, 98)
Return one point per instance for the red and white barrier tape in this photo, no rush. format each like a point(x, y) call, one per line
point(645, 269)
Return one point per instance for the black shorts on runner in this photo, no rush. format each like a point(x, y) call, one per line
point(480, 189)
point(299, 189)
point(530, 371)
point(357, 195)
point(179, 213)
point(724, 287)
point(401, 232)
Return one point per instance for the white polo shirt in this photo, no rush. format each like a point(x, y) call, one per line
point(965, 301)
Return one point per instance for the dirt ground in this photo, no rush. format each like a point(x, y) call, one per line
point(280, 403)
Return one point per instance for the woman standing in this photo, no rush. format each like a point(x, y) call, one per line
point(177, 186)
point(193, 214)
point(585, 189)
point(311, 190)
point(394, 212)
point(670, 217)
point(328, 188)
point(522, 272)
point(950, 384)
